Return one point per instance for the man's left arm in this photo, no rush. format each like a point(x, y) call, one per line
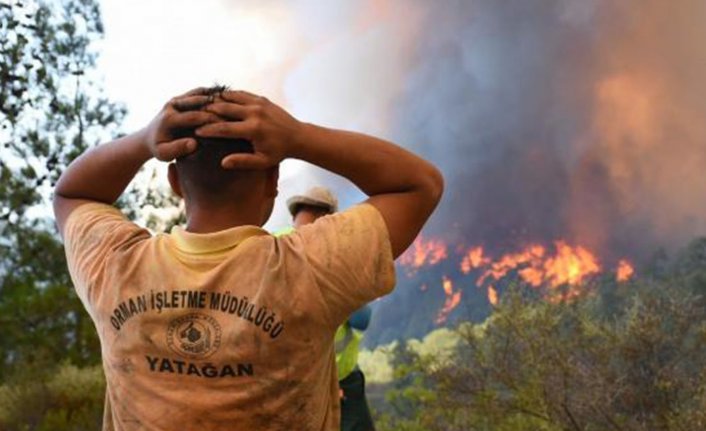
point(102, 173)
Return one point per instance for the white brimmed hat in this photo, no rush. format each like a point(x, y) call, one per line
point(315, 196)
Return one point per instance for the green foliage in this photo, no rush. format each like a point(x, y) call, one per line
point(626, 357)
point(159, 206)
point(378, 364)
point(51, 110)
point(69, 398)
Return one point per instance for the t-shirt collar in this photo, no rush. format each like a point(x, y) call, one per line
point(213, 242)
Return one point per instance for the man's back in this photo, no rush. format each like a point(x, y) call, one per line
point(174, 363)
point(233, 327)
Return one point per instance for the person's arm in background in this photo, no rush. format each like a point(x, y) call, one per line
point(403, 187)
point(360, 319)
point(102, 173)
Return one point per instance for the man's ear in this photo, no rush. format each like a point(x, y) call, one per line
point(173, 177)
point(272, 180)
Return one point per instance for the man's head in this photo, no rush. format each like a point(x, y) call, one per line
point(315, 203)
point(200, 179)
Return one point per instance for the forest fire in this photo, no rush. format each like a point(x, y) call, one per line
point(625, 271)
point(473, 259)
point(492, 295)
point(422, 253)
point(451, 302)
point(558, 271)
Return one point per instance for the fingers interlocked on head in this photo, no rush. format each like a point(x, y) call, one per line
point(194, 103)
point(198, 98)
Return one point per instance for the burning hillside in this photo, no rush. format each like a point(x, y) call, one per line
point(558, 272)
point(572, 141)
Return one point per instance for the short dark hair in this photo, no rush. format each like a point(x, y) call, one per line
point(200, 172)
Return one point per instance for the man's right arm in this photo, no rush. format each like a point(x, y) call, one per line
point(403, 187)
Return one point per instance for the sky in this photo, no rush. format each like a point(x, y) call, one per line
point(330, 63)
point(579, 120)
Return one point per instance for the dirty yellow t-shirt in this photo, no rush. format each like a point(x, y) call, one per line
point(226, 331)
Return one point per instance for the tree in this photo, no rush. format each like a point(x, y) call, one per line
point(51, 110)
point(71, 399)
point(587, 365)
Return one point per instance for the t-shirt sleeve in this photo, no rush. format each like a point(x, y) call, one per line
point(92, 233)
point(351, 259)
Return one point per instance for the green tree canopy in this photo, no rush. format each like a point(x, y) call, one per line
point(51, 110)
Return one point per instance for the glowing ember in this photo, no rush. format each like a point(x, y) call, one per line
point(625, 271)
point(448, 286)
point(492, 295)
point(423, 253)
point(452, 300)
point(473, 259)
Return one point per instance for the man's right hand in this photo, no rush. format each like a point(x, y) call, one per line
point(268, 127)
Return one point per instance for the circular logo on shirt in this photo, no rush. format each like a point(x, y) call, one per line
point(194, 336)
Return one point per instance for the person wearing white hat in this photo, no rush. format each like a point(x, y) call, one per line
point(308, 207)
point(305, 209)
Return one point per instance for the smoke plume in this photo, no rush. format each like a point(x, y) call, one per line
point(570, 119)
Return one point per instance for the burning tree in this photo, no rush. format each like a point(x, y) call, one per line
point(461, 282)
point(629, 357)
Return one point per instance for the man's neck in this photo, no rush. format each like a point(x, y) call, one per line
point(201, 220)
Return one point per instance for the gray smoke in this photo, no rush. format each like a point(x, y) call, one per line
point(574, 119)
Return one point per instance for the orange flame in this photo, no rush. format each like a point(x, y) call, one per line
point(473, 259)
point(452, 300)
point(625, 271)
point(448, 286)
point(492, 295)
point(530, 259)
point(424, 253)
point(570, 266)
point(559, 271)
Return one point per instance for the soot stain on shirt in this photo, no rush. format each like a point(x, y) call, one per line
point(146, 338)
point(295, 413)
point(284, 420)
point(125, 366)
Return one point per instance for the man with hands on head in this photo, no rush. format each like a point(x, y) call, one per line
point(219, 325)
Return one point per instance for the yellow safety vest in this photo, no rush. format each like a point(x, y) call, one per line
point(347, 342)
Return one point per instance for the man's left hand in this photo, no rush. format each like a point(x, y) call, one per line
point(164, 135)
